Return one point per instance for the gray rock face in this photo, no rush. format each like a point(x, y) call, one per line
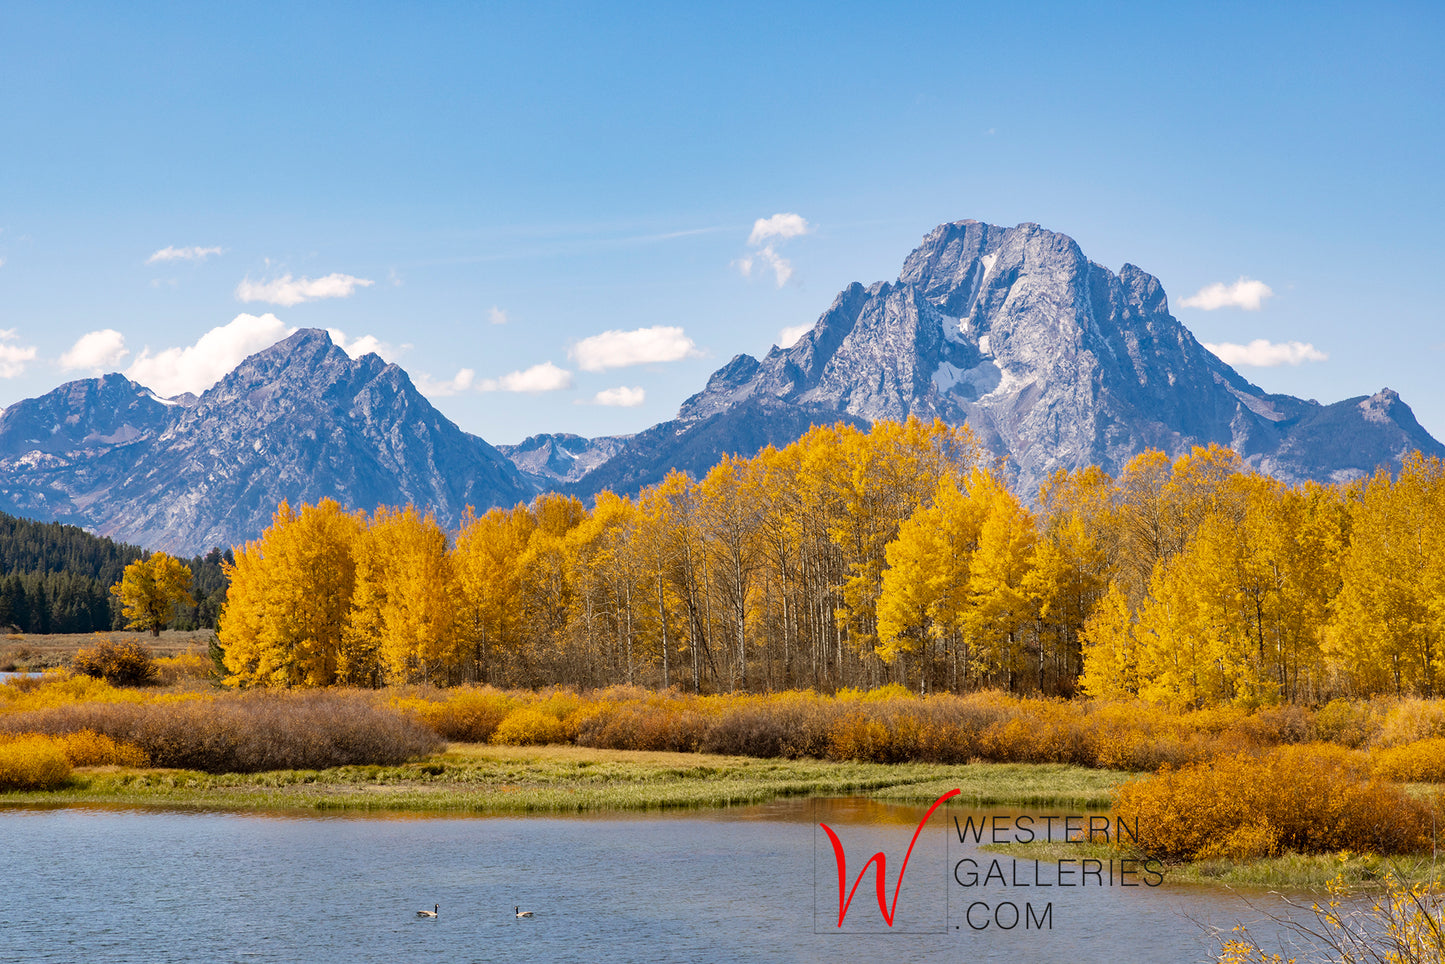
point(549, 459)
point(299, 421)
point(1053, 360)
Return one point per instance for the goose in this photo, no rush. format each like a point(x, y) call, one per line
point(429, 913)
point(522, 913)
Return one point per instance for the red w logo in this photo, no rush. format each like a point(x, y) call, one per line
point(882, 869)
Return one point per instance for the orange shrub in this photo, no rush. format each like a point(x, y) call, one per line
point(1420, 762)
point(1408, 720)
point(32, 763)
point(464, 714)
point(87, 748)
point(1313, 798)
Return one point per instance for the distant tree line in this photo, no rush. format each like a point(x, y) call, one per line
point(56, 578)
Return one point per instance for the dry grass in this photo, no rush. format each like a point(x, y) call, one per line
point(34, 652)
point(245, 733)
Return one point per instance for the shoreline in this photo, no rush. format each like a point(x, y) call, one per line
point(484, 779)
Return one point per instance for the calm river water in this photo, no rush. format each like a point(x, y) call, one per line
point(746, 884)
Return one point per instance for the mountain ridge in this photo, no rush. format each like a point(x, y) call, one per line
point(1054, 360)
point(298, 421)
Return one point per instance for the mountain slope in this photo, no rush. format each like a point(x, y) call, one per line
point(1055, 361)
point(299, 421)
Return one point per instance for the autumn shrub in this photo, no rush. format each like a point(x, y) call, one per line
point(1273, 726)
point(1409, 720)
point(1351, 723)
point(1039, 731)
point(87, 748)
point(185, 666)
point(641, 725)
point(1405, 925)
point(63, 688)
point(891, 732)
point(1311, 798)
point(790, 725)
point(32, 763)
point(530, 726)
point(247, 733)
point(119, 664)
point(464, 714)
point(1420, 762)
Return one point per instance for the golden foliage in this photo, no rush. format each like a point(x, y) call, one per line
point(1304, 799)
point(150, 589)
point(32, 763)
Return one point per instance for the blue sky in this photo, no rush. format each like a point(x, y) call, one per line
point(482, 190)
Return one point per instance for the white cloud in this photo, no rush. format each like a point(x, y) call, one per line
point(2, 262)
point(170, 253)
point(778, 226)
point(620, 397)
point(788, 337)
point(459, 383)
point(618, 349)
point(1245, 293)
point(545, 377)
point(197, 367)
point(1264, 354)
point(287, 291)
point(366, 343)
point(13, 357)
point(95, 351)
point(497, 316)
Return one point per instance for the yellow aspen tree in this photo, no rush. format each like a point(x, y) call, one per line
point(488, 563)
point(926, 585)
point(404, 599)
point(150, 589)
point(1386, 632)
point(999, 607)
point(1073, 564)
point(290, 598)
point(1111, 661)
point(730, 509)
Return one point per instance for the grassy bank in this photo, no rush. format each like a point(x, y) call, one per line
point(481, 779)
point(1288, 872)
point(34, 652)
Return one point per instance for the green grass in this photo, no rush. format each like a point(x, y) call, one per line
point(470, 778)
point(1288, 872)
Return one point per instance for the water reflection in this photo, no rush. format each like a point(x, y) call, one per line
point(736, 884)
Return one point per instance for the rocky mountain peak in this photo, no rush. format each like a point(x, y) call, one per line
point(1054, 361)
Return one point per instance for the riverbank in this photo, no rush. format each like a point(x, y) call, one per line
point(484, 779)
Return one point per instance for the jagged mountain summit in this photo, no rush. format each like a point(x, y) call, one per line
point(300, 420)
point(1055, 361)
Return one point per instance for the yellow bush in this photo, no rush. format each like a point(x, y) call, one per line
point(1314, 798)
point(1420, 762)
point(173, 669)
point(879, 694)
point(63, 689)
point(528, 727)
point(32, 763)
point(1351, 723)
point(464, 714)
point(87, 748)
point(1409, 720)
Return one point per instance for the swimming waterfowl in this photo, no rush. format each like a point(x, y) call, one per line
point(522, 913)
point(429, 913)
